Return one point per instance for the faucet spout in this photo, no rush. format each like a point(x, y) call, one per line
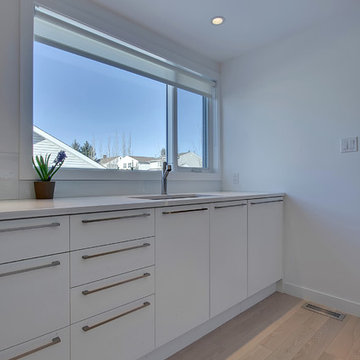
point(165, 172)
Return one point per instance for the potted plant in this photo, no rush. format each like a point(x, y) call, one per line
point(44, 189)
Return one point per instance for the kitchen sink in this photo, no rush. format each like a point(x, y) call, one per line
point(169, 197)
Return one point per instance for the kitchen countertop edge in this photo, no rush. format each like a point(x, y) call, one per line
point(31, 208)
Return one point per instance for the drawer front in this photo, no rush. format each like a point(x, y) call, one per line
point(34, 298)
point(104, 261)
point(110, 227)
point(23, 239)
point(125, 333)
point(54, 346)
point(100, 296)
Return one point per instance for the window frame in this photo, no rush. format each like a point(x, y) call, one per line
point(26, 172)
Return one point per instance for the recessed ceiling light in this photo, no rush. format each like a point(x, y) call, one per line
point(217, 20)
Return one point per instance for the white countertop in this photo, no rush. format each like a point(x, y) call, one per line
point(17, 209)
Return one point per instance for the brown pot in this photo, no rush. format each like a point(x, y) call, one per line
point(44, 189)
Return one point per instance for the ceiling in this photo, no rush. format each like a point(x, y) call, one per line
point(249, 23)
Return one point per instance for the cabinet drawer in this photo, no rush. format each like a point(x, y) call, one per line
point(104, 295)
point(110, 227)
point(54, 346)
point(34, 298)
point(125, 333)
point(104, 261)
point(22, 239)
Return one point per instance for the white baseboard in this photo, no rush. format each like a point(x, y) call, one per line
point(181, 342)
point(340, 304)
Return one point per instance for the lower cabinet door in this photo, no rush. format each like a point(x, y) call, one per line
point(34, 298)
point(228, 255)
point(265, 242)
point(124, 333)
point(54, 346)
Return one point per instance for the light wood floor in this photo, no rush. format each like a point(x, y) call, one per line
point(279, 329)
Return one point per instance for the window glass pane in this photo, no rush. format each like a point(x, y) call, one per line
point(190, 129)
point(102, 116)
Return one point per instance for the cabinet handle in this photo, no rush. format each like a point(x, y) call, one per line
point(54, 263)
point(183, 211)
point(88, 292)
point(115, 218)
point(266, 202)
point(88, 328)
point(54, 341)
point(85, 257)
point(31, 227)
point(229, 206)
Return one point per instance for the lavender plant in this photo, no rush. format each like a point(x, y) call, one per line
point(42, 167)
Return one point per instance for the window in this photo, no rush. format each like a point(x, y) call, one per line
point(192, 129)
point(108, 105)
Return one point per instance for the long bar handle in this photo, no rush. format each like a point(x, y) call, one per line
point(52, 264)
point(30, 227)
point(85, 257)
point(229, 206)
point(88, 328)
point(265, 202)
point(54, 341)
point(183, 211)
point(116, 218)
point(88, 292)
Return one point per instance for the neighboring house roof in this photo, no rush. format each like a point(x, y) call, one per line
point(44, 143)
point(106, 160)
point(144, 159)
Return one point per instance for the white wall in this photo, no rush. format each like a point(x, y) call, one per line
point(11, 187)
point(285, 108)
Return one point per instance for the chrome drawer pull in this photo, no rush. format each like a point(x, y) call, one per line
point(54, 341)
point(85, 257)
point(266, 202)
point(229, 206)
point(144, 305)
point(54, 263)
point(88, 292)
point(183, 211)
point(115, 218)
point(31, 227)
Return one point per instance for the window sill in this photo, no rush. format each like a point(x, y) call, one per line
point(119, 175)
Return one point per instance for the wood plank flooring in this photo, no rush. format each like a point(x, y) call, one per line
point(278, 328)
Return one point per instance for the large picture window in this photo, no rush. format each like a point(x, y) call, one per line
point(107, 104)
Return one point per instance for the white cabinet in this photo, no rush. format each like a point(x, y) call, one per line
point(125, 333)
point(53, 346)
point(99, 296)
point(265, 234)
point(110, 227)
point(228, 255)
point(182, 270)
point(27, 238)
point(133, 279)
point(104, 261)
point(34, 298)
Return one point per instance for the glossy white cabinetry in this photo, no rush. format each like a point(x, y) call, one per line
point(228, 255)
point(182, 270)
point(125, 333)
point(34, 298)
point(265, 243)
point(133, 279)
point(110, 227)
point(22, 239)
point(109, 293)
point(53, 346)
point(104, 261)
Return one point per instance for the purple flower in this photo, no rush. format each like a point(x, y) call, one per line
point(61, 156)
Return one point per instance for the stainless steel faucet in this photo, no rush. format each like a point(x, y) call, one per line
point(165, 172)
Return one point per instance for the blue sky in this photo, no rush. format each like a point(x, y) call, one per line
point(78, 98)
